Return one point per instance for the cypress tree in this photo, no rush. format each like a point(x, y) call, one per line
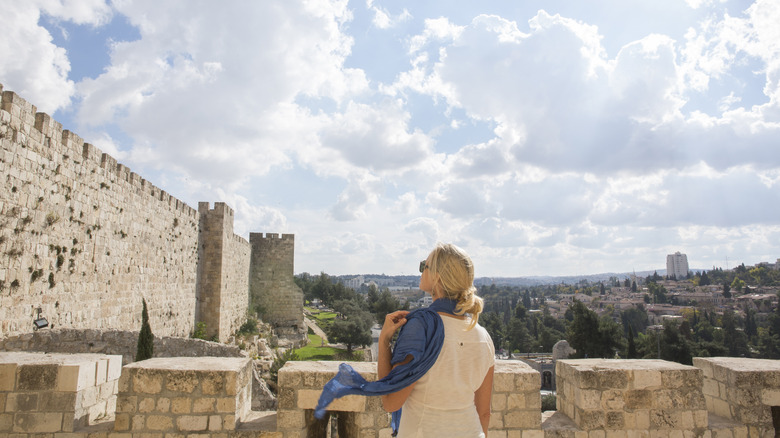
point(145, 338)
point(631, 346)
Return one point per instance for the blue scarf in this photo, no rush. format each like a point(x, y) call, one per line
point(421, 337)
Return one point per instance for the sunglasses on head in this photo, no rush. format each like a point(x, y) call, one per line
point(423, 265)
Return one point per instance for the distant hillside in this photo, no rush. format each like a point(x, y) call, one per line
point(412, 280)
point(567, 279)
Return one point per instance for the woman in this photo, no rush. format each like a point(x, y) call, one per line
point(452, 399)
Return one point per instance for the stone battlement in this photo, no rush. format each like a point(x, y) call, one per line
point(73, 396)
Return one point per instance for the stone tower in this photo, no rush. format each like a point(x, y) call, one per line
point(272, 291)
point(223, 272)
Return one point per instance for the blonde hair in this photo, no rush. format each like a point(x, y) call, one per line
point(453, 271)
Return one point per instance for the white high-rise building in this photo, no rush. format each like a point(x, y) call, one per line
point(677, 265)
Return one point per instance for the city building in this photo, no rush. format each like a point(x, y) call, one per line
point(677, 265)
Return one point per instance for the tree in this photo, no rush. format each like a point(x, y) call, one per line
point(145, 349)
point(634, 318)
point(631, 353)
point(495, 328)
point(352, 326)
point(384, 304)
point(674, 346)
point(591, 336)
point(518, 337)
point(735, 340)
point(704, 280)
point(737, 284)
point(726, 290)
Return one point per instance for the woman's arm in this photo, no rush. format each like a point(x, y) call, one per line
point(393, 321)
point(482, 397)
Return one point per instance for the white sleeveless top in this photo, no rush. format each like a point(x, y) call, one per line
point(442, 401)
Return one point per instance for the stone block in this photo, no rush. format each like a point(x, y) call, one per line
point(127, 403)
point(643, 379)
point(163, 405)
point(147, 404)
point(226, 405)
point(665, 419)
point(22, 402)
point(770, 396)
point(290, 420)
point(190, 423)
point(6, 422)
point(307, 399)
point(57, 401)
point(37, 377)
point(523, 420)
point(212, 384)
point(122, 422)
point(114, 368)
point(503, 382)
point(588, 399)
point(101, 371)
point(76, 376)
point(159, 422)
point(516, 401)
point(181, 405)
point(7, 376)
point(184, 382)
point(147, 382)
point(37, 422)
point(215, 423)
point(203, 405)
point(497, 402)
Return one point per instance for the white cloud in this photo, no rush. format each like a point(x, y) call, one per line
point(30, 64)
point(91, 12)
point(383, 19)
point(376, 137)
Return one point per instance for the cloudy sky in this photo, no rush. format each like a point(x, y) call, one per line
point(545, 137)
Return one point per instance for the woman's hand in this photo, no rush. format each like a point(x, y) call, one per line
point(393, 321)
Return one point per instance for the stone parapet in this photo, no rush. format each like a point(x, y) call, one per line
point(70, 396)
point(48, 393)
point(632, 395)
point(207, 394)
point(516, 403)
point(745, 391)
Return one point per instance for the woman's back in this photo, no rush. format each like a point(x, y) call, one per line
point(442, 401)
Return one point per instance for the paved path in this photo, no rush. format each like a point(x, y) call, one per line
point(316, 329)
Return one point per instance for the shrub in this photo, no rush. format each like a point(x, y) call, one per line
point(548, 402)
point(200, 331)
point(249, 327)
point(279, 363)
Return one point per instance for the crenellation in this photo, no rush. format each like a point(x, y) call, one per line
point(49, 127)
point(91, 154)
point(123, 172)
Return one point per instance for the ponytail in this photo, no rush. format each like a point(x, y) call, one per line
point(455, 272)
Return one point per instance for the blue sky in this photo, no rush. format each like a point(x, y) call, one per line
point(544, 137)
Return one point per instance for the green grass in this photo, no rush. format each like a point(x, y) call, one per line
point(313, 351)
point(323, 319)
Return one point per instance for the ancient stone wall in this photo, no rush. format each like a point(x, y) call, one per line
point(223, 272)
point(271, 282)
point(85, 239)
